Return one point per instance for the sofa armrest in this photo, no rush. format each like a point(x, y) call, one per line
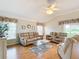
point(23, 41)
point(61, 44)
point(60, 50)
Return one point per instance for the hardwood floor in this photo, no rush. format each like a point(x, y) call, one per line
point(20, 52)
point(75, 53)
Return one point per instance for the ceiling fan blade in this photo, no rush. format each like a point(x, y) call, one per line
point(55, 9)
point(53, 5)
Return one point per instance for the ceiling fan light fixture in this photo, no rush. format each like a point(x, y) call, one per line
point(51, 7)
point(49, 12)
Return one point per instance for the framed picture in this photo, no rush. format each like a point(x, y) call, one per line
point(33, 27)
point(23, 27)
point(29, 26)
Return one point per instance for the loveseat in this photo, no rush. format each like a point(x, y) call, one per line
point(29, 37)
point(56, 37)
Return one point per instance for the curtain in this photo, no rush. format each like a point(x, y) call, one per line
point(6, 19)
point(69, 21)
point(11, 23)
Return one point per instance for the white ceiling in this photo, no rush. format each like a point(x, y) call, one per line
point(33, 9)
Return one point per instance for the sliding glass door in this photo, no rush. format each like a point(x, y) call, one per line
point(71, 29)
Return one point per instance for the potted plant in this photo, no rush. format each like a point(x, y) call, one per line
point(3, 29)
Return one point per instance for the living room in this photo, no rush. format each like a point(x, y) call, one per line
point(39, 29)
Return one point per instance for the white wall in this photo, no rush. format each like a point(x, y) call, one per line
point(20, 30)
point(25, 23)
point(52, 25)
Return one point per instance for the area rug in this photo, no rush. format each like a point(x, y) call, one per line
point(41, 48)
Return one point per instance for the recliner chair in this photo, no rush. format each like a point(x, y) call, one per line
point(65, 49)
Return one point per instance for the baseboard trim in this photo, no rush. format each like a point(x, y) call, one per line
point(11, 45)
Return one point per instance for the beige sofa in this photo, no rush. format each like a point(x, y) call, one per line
point(57, 37)
point(29, 37)
point(65, 49)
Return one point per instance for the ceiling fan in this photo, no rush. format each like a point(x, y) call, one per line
point(51, 7)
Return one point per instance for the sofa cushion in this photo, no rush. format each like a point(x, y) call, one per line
point(35, 34)
point(33, 39)
point(38, 37)
point(29, 37)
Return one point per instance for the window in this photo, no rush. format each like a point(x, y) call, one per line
point(11, 33)
point(71, 29)
point(40, 29)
